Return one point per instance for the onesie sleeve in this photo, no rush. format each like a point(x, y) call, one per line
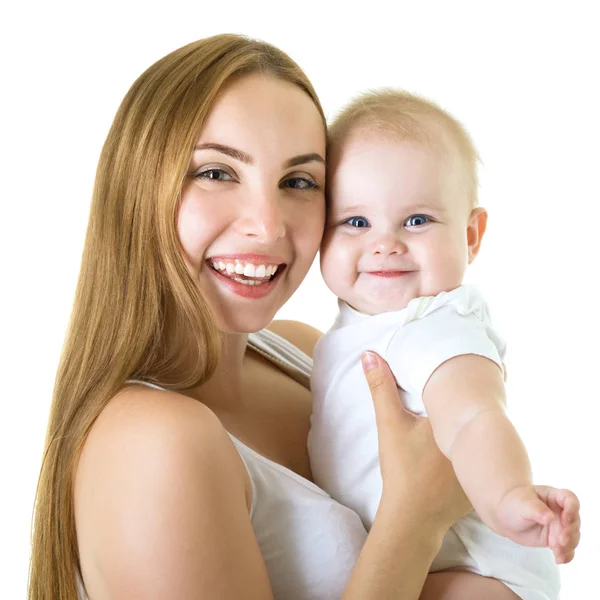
point(419, 347)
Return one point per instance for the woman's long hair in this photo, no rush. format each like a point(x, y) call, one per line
point(137, 313)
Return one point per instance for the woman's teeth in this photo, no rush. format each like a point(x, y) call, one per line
point(258, 273)
point(250, 281)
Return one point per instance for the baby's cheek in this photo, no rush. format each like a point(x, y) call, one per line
point(451, 265)
point(336, 265)
point(328, 270)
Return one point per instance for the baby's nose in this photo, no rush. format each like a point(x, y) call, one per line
point(388, 244)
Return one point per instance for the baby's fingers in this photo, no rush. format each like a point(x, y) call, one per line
point(562, 558)
point(570, 506)
point(566, 533)
point(570, 535)
point(563, 503)
point(564, 529)
point(564, 550)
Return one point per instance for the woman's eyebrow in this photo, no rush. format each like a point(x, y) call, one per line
point(244, 157)
point(228, 150)
point(303, 159)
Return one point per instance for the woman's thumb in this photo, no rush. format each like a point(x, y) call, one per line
point(382, 385)
point(372, 366)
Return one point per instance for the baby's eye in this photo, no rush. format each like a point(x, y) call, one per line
point(214, 174)
point(416, 221)
point(299, 183)
point(358, 222)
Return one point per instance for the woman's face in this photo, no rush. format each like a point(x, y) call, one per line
point(252, 207)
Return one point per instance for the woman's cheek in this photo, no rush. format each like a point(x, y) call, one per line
point(189, 230)
point(197, 229)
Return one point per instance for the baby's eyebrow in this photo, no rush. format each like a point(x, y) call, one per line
point(351, 210)
point(424, 207)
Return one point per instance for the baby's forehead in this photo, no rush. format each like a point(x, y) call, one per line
point(372, 140)
point(436, 141)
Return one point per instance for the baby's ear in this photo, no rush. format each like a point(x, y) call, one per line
point(475, 230)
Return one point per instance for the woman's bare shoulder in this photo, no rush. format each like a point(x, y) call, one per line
point(300, 334)
point(142, 427)
point(137, 411)
point(154, 465)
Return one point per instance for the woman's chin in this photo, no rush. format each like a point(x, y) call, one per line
point(243, 323)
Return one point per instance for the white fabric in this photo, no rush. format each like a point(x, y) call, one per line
point(343, 438)
point(309, 542)
point(285, 355)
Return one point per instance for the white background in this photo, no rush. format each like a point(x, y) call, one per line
point(522, 76)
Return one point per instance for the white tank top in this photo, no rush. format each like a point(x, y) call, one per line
point(309, 542)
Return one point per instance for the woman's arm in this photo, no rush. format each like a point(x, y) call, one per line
point(396, 557)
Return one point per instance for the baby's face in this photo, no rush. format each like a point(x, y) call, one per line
point(397, 224)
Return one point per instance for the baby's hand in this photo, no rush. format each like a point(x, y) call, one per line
point(541, 516)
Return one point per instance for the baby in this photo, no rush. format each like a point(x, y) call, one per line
point(402, 226)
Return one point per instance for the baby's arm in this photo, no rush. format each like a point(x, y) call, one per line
point(465, 400)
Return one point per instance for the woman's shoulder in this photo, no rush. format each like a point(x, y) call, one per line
point(145, 432)
point(156, 473)
point(299, 334)
point(142, 410)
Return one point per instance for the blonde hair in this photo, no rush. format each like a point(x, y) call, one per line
point(137, 312)
point(408, 117)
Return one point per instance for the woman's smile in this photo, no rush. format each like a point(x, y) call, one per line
point(247, 275)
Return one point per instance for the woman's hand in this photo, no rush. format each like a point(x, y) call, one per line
point(417, 477)
point(421, 499)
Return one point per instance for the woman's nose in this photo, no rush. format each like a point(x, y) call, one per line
point(386, 244)
point(263, 218)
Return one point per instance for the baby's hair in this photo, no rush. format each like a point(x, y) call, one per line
point(408, 117)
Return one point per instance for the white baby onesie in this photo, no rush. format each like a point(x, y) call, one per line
point(343, 439)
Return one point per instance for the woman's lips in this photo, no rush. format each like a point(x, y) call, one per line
point(259, 290)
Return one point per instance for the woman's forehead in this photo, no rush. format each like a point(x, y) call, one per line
point(257, 110)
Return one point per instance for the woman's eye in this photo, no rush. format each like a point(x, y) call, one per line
point(416, 221)
point(214, 175)
point(300, 183)
point(357, 222)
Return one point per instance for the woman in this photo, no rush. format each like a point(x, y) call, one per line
point(175, 462)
